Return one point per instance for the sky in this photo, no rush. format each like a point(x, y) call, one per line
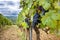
point(9, 7)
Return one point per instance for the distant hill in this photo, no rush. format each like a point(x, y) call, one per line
point(12, 18)
point(4, 20)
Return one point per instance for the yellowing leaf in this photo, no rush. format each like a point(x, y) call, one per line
point(24, 24)
point(56, 5)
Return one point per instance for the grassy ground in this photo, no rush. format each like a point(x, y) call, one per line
point(14, 33)
point(11, 33)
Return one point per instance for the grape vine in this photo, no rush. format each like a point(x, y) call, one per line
point(48, 10)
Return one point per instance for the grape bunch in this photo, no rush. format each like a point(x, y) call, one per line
point(36, 20)
point(27, 19)
point(37, 16)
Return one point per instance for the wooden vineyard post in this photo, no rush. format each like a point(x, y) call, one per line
point(30, 33)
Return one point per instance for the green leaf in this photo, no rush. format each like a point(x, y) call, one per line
point(46, 5)
point(50, 19)
point(24, 24)
point(56, 16)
